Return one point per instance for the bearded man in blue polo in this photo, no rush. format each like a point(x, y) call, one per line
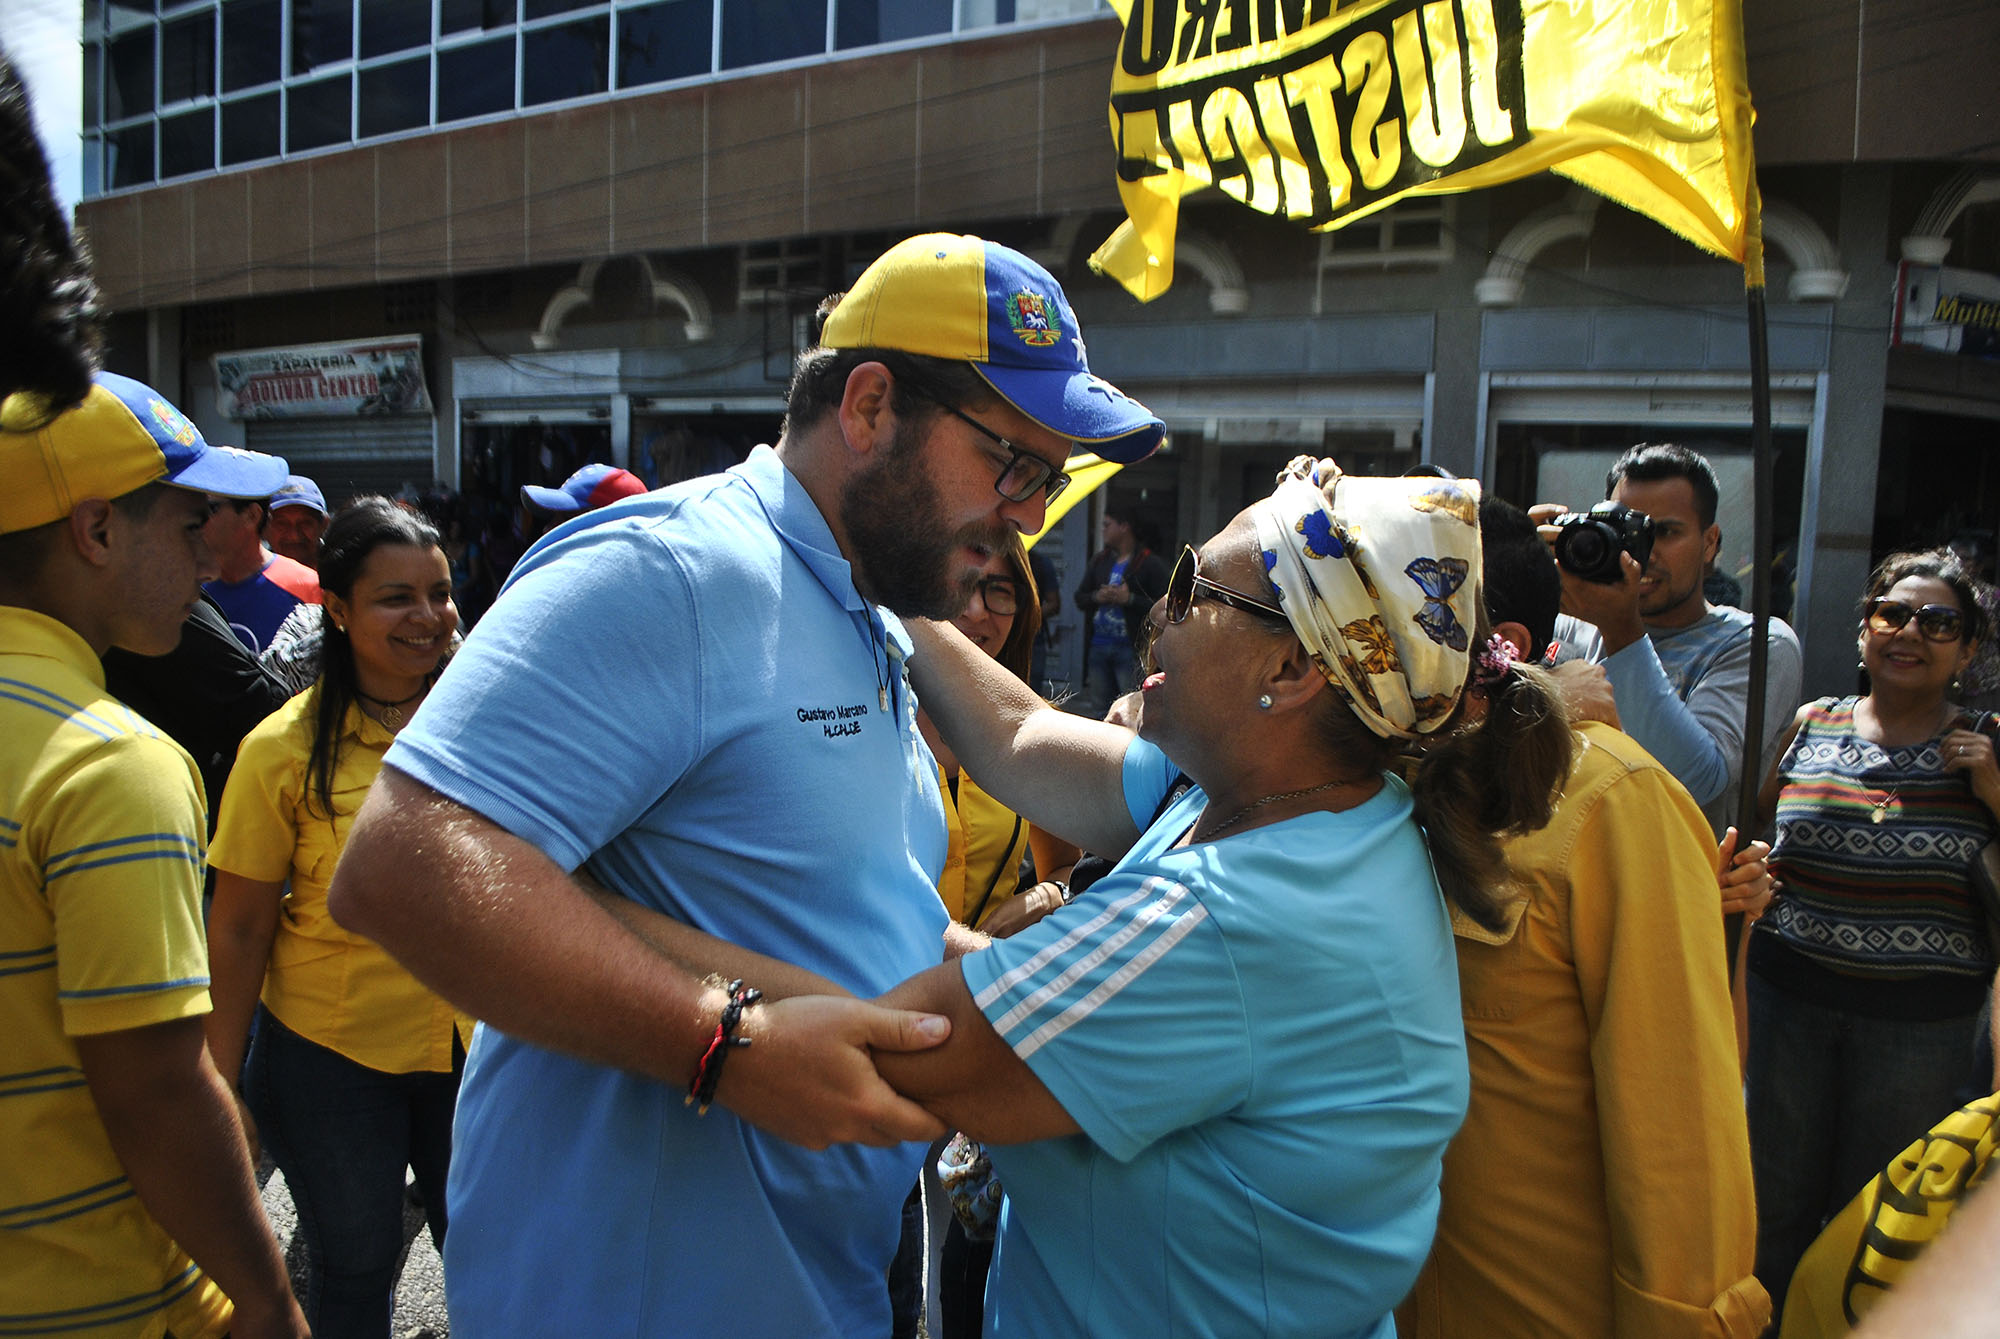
point(697, 697)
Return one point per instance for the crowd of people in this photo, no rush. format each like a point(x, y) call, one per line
point(1361, 973)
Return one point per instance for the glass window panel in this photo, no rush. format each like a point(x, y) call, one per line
point(866, 22)
point(396, 97)
point(569, 61)
point(755, 31)
point(669, 41)
point(393, 25)
point(93, 54)
point(131, 84)
point(187, 143)
point(541, 9)
point(187, 59)
point(93, 166)
point(456, 16)
point(316, 115)
point(249, 43)
point(128, 155)
point(322, 33)
point(250, 129)
point(476, 80)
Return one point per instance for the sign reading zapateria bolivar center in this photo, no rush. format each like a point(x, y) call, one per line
point(367, 377)
point(1323, 113)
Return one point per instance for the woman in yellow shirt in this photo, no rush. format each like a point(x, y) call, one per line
point(353, 1066)
point(986, 840)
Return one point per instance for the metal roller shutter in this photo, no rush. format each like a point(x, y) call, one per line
point(350, 456)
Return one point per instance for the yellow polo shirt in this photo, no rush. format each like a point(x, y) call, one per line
point(101, 827)
point(326, 983)
point(985, 844)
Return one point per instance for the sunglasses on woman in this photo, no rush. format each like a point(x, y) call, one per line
point(1937, 622)
point(1186, 584)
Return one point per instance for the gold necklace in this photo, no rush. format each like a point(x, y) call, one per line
point(1240, 814)
point(392, 715)
point(1881, 809)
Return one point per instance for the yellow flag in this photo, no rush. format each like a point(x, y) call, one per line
point(1087, 473)
point(1325, 114)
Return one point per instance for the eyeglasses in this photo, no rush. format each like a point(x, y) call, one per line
point(999, 594)
point(1026, 473)
point(1937, 622)
point(1186, 583)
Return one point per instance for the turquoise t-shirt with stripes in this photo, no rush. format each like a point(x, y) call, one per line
point(1260, 1039)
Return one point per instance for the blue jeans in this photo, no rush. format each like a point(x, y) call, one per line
point(1108, 674)
point(343, 1134)
point(1833, 1096)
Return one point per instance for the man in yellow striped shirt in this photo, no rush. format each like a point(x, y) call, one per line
point(127, 1203)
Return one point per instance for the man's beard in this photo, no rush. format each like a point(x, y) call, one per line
point(898, 543)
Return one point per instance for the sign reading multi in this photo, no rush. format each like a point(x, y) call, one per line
point(377, 376)
point(1949, 310)
point(1324, 113)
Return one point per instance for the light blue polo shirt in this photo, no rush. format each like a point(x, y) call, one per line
point(1260, 1038)
point(684, 691)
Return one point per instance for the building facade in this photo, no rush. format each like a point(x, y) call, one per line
point(469, 244)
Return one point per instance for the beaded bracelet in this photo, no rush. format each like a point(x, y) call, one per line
point(701, 1088)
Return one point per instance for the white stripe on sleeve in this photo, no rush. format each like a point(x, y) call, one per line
point(1088, 1005)
point(1013, 976)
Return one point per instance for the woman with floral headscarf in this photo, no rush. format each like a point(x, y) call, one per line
point(1231, 1068)
point(1218, 1086)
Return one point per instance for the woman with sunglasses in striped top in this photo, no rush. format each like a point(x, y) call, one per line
point(1867, 975)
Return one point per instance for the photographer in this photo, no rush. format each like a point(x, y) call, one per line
point(1656, 658)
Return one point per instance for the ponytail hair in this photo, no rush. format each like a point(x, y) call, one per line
point(1475, 783)
point(1498, 778)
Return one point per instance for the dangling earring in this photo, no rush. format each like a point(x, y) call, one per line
point(1264, 701)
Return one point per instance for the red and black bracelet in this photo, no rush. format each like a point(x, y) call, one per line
point(701, 1088)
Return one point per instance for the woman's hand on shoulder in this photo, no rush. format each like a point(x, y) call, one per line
point(1971, 753)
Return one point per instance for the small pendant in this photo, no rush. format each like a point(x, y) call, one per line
point(392, 721)
point(882, 695)
point(1881, 811)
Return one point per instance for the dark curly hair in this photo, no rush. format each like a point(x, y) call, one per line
point(49, 337)
point(1939, 565)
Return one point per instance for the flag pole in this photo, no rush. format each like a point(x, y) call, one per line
point(1747, 826)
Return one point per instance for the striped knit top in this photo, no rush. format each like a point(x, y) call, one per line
point(1874, 845)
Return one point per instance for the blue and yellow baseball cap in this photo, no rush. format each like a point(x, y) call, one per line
point(123, 436)
point(975, 301)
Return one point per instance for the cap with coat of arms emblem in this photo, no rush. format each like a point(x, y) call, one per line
point(121, 437)
point(943, 295)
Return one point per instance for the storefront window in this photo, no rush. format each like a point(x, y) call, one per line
point(1566, 463)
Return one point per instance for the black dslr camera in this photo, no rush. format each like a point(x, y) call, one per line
point(1588, 542)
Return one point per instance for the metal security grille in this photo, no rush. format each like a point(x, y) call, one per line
point(350, 456)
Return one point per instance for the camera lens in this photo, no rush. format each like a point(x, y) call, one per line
point(1587, 548)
